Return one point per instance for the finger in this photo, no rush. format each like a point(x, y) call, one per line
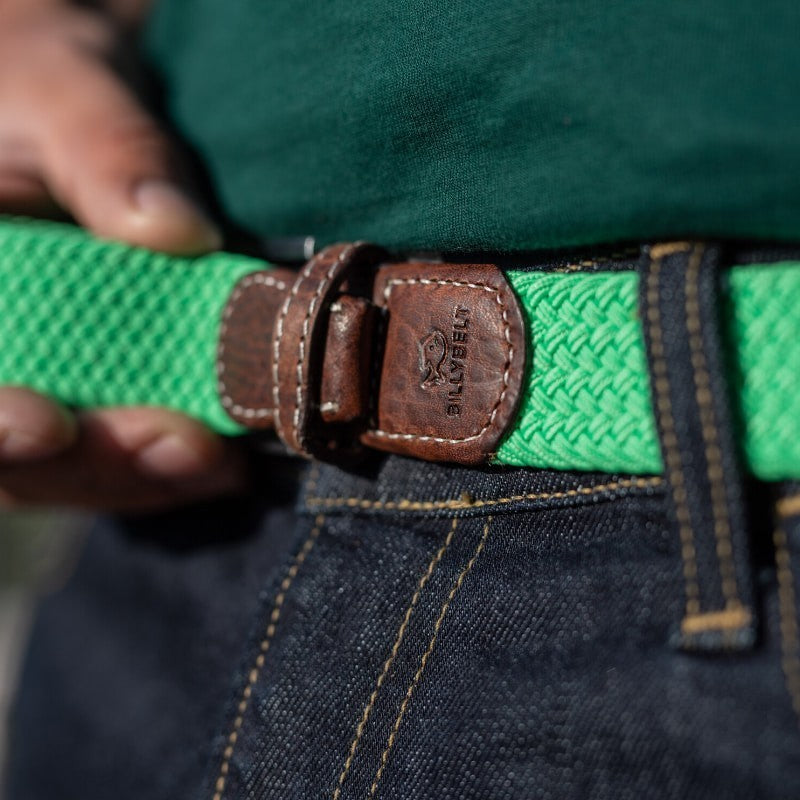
point(23, 193)
point(162, 444)
point(130, 460)
point(107, 161)
point(32, 427)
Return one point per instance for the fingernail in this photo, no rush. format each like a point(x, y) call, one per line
point(166, 202)
point(171, 457)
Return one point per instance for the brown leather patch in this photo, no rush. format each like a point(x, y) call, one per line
point(244, 354)
point(453, 361)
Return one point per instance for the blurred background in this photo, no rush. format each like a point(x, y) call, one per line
point(38, 551)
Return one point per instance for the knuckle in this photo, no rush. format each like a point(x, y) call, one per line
point(132, 142)
point(135, 132)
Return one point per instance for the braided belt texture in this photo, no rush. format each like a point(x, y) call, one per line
point(561, 369)
point(587, 402)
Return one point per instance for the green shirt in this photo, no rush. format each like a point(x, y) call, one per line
point(460, 124)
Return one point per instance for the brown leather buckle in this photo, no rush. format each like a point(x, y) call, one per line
point(420, 358)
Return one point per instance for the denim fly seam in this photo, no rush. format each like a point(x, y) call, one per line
point(426, 656)
point(390, 660)
point(414, 645)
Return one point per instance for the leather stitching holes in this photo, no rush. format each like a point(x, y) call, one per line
point(267, 281)
point(276, 347)
point(509, 358)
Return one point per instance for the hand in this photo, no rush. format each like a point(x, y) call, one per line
point(73, 136)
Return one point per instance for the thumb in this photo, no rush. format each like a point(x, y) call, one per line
point(109, 163)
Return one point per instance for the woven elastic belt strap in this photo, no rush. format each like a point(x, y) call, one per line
point(444, 362)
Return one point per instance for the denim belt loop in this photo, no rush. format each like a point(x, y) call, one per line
point(786, 542)
point(707, 499)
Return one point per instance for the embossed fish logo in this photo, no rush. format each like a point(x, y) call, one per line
point(432, 353)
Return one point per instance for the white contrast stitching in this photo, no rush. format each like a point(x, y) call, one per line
point(227, 401)
point(506, 332)
point(276, 351)
point(255, 672)
point(301, 350)
point(323, 284)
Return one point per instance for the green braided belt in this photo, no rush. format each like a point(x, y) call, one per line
point(94, 323)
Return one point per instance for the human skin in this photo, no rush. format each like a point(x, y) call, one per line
point(74, 138)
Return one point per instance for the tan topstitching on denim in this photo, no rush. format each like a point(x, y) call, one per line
point(255, 672)
point(713, 453)
point(392, 655)
point(426, 656)
point(672, 456)
point(787, 602)
point(458, 504)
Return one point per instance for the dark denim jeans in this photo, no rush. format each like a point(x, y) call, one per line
point(407, 631)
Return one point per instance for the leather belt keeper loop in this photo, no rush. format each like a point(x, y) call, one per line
point(299, 350)
point(420, 358)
